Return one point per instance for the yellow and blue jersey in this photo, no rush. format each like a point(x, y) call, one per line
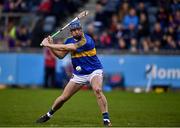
point(84, 59)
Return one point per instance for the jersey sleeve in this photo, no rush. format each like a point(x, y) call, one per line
point(67, 41)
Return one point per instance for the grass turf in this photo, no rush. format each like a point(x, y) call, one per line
point(21, 107)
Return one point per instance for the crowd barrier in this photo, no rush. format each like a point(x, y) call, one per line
point(28, 68)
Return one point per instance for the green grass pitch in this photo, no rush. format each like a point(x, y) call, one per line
point(21, 107)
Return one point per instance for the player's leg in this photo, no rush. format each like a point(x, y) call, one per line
point(70, 89)
point(96, 83)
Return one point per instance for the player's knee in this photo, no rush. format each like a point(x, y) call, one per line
point(98, 91)
point(63, 98)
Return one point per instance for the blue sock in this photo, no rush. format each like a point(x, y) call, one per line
point(105, 115)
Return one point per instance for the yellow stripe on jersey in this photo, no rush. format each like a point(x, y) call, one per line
point(81, 42)
point(91, 52)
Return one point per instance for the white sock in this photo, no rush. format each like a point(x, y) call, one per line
point(49, 115)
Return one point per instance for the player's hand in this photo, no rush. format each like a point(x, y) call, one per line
point(46, 41)
point(50, 40)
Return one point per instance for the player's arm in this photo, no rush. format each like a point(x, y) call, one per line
point(59, 54)
point(66, 47)
point(60, 47)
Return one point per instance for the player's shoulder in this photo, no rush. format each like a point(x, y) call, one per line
point(88, 38)
point(68, 40)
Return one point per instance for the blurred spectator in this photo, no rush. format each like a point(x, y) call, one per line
point(178, 37)
point(2, 32)
point(157, 45)
point(105, 40)
point(33, 5)
point(3, 43)
point(136, 23)
point(102, 2)
point(23, 37)
point(133, 45)
point(122, 44)
point(59, 10)
point(114, 21)
point(91, 32)
point(123, 11)
point(141, 9)
point(175, 6)
point(170, 43)
point(172, 32)
point(1, 6)
point(15, 6)
point(100, 17)
point(119, 32)
point(50, 66)
point(162, 17)
point(110, 8)
point(177, 18)
point(157, 33)
point(131, 19)
point(157, 36)
point(143, 28)
point(172, 22)
point(129, 33)
point(45, 7)
point(145, 44)
point(113, 24)
point(73, 5)
point(10, 34)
